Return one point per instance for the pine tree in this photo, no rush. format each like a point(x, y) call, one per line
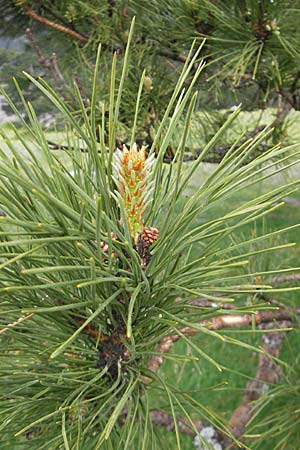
point(102, 256)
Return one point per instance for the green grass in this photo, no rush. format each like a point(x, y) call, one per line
point(222, 391)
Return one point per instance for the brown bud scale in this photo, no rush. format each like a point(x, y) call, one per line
point(149, 235)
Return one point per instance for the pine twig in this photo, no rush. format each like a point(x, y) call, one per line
point(175, 56)
point(17, 322)
point(59, 18)
point(204, 303)
point(44, 62)
point(50, 65)
point(218, 323)
point(217, 153)
point(33, 15)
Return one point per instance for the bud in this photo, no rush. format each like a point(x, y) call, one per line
point(132, 173)
point(149, 235)
point(148, 84)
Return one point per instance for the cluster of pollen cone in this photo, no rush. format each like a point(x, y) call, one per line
point(133, 178)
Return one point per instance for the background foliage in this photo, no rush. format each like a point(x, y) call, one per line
point(251, 52)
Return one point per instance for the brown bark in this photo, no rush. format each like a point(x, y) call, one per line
point(284, 279)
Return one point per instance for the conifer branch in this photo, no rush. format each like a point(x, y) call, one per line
point(49, 64)
point(17, 322)
point(62, 28)
point(218, 323)
point(215, 156)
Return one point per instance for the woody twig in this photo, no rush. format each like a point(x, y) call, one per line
point(14, 324)
point(51, 65)
point(49, 23)
point(217, 323)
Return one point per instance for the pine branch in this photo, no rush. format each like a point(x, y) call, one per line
point(33, 15)
point(50, 65)
point(56, 68)
point(17, 322)
point(44, 62)
point(292, 99)
point(62, 240)
point(204, 303)
point(217, 152)
point(295, 82)
point(218, 323)
point(59, 18)
point(166, 53)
